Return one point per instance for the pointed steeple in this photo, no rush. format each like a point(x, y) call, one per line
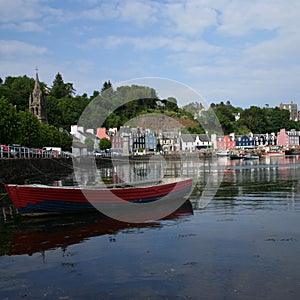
point(37, 82)
point(37, 103)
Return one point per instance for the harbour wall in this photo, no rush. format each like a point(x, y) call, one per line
point(43, 169)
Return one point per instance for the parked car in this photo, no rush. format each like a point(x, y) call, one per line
point(36, 152)
point(15, 150)
point(99, 153)
point(25, 152)
point(66, 154)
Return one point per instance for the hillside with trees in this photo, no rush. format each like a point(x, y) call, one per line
point(65, 108)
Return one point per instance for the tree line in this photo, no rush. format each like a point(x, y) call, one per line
point(65, 108)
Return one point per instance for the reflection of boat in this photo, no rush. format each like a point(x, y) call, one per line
point(251, 157)
point(34, 235)
point(40, 199)
point(273, 153)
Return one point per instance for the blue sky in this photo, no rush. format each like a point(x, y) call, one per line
point(246, 52)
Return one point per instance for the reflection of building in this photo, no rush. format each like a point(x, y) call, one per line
point(37, 102)
point(292, 108)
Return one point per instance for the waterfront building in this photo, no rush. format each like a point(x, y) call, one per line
point(294, 137)
point(150, 140)
point(101, 133)
point(138, 140)
point(283, 139)
point(169, 141)
point(244, 141)
point(265, 139)
point(116, 141)
point(202, 141)
point(225, 142)
point(187, 143)
point(37, 102)
point(78, 148)
point(81, 135)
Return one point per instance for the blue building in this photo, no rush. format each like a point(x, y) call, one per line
point(244, 141)
point(150, 140)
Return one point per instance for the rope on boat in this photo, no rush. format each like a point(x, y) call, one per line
point(3, 195)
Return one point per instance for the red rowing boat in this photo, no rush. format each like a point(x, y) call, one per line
point(40, 199)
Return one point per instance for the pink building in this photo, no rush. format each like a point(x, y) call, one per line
point(283, 139)
point(117, 140)
point(225, 142)
point(101, 133)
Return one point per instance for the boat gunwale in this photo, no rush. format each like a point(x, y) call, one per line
point(129, 185)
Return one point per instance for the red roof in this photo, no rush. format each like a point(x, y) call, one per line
point(101, 133)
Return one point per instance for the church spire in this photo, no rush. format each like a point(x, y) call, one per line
point(37, 82)
point(37, 103)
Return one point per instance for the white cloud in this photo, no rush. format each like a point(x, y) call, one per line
point(190, 17)
point(242, 17)
point(24, 27)
point(137, 12)
point(18, 10)
point(18, 48)
point(152, 43)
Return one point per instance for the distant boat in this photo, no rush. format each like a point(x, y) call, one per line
point(223, 153)
point(236, 156)
point(37, 199)
point(273, 151)
point(292, 151)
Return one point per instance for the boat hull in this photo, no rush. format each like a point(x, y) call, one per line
point(37, 199)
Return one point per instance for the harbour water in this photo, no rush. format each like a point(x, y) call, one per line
point(237, 237)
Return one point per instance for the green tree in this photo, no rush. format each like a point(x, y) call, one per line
point(104, 144)
point(61, 89)
point(28, 129)
point(17, 91)
point(170, 104)
point(66, 141)
point(8, 122)
point(49, 136)
point(226, 115)
point(106, 85)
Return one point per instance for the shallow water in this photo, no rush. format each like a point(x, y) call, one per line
point(241, 243)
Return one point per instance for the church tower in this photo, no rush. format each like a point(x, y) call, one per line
point(37, 102)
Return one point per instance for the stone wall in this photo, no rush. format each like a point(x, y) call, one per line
point(43, 169)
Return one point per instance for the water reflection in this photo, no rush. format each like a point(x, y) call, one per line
point(31, 235)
